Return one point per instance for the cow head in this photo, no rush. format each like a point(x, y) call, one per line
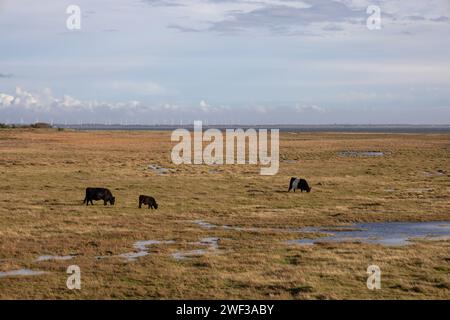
point(155, 205)
point(309, 189)
point(112, 200)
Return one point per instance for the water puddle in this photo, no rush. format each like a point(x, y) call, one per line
point(142, 249)
point(419, 190)
point(361, 154)
point(289, 161)
point(438, 173)
point(385, 233)
point(158, 169)
point(205, 224)
point(50, 257)
point(132, 256)
point(211, 243)
point(21, 272)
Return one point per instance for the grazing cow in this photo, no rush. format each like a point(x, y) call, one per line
point(99, 194)
point(297, 183)
point(150, 201)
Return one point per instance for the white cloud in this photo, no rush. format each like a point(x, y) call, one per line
point(204, 106)
point(309, 17)
point(5, 100)
point(44, 101)
point(44, 105)
point(309, 108)
point(70, 102)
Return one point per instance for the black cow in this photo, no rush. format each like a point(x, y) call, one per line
point(297, 183)
point(150, 201)
point(99, 194)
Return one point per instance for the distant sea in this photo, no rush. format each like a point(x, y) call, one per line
point(286, 128)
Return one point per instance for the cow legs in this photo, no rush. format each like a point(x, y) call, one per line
point(150, 206)
point(140, 204)
point(92, 203)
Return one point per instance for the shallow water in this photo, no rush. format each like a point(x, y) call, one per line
point(21, 272)
point(141, 247)
point(386, 233)
point(438, 173)
point(361, 154)
point(289, 161)
point(158, 169)
point(212, 244)
point(50, 257)
point(132, 256)
point(181, 255)
point(205, 224)
point(143, 244)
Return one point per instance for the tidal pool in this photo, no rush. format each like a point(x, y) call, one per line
point(385, 233)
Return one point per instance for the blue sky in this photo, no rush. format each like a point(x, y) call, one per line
point(250, 61)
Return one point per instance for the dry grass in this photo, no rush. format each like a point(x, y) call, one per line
point(43, 174)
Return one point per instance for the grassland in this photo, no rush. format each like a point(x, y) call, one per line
point(43, 174)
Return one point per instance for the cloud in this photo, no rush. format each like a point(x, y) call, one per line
point(5, 75)
point(295, 16)
point(204, 106)
point(275, 15)
point(6, 100)
point(29, 107)
point(45, 101)
point(45, 106)
point(309, 108)
point(282, 17)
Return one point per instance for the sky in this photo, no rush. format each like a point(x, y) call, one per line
point(225, 61)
